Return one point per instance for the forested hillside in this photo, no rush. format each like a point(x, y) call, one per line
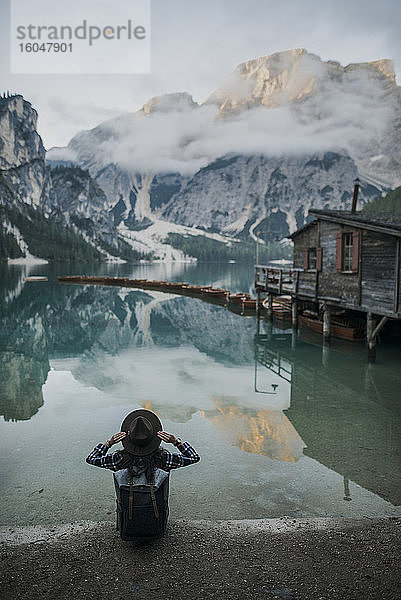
point(388, 206)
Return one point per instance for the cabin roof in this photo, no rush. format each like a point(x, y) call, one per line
point(378, 223)
point(302, 229)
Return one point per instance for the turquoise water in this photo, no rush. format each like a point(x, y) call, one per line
point(283, 426)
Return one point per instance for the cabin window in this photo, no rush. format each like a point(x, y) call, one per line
point(348, 246)
point(312, 258)
point(347, 252)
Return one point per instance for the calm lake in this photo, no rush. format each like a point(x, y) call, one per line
point(283, 426)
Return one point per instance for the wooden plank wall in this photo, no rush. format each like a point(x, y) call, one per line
point(379, 254)
point(371, 289)
point(333, 283)
point(306, 239)
point(307, 284)
point(307, 279)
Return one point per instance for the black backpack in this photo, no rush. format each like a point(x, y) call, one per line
point(142, 508)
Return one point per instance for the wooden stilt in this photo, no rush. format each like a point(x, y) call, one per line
point(347, 495)
point(294, 340)
point(369, 389)
point(370, 338)
point(294, 312)
point(326, 324)
point(270, 307)
point(325, 355)
point(371, 335)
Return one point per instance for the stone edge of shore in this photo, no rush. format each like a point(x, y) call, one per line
point(19, 535)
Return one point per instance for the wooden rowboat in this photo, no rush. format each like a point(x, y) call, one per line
point(238, 298)
point(216, 293)
point(339, 330)
point(249, 304)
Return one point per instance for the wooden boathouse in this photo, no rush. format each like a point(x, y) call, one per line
point(344, 262)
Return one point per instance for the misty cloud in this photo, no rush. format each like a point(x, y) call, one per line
point(195, 45)
point(347, 114)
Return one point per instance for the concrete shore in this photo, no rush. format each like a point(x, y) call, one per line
point(289, 559)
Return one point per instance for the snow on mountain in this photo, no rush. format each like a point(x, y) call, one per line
point(239, 190)
point(64, 201)
point(151, 239)
point(282, 133)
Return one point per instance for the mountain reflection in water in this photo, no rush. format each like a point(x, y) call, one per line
point(266, 432)
point(301, 426)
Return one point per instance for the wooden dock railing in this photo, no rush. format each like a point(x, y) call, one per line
point(277, 280)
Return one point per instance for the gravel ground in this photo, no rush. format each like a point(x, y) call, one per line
point(289, 559)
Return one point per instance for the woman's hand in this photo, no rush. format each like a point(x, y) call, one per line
point(167, 437)
point(116, 437)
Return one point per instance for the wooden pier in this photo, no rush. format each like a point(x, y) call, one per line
point(240, 303)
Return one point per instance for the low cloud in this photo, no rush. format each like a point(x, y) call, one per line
point(350, 114)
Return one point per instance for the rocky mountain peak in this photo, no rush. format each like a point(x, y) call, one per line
point(288, 77)
point(169, 102)
point(268, 80)
point(385, 66)
point(19, 141)
point(258, 171)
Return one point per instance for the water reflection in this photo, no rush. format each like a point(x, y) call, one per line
point(297, 424)
point(346, 411)
point(265, 431)
point(39, 321)
point(24, 365)
point(21, 381)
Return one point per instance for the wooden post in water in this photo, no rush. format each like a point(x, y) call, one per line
point(326, 324)
point(370, 338)
point(325, 355)
point(270, 308)
point(293, 340)
point(369, 383)
point(347, 495)
point(294, 313)
point(372, 331)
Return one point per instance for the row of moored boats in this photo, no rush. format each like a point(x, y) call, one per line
point(241, 302)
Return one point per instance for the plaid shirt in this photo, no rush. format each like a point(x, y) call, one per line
point(117, 461)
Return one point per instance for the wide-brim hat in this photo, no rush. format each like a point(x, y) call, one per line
point(141, 427)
